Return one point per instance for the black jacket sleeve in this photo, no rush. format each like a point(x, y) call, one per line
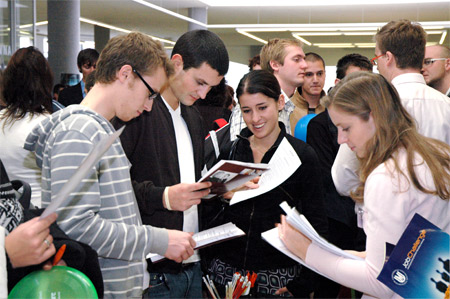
point(146, 190)
point(148, 196)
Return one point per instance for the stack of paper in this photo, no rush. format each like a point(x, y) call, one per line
point(299, 221)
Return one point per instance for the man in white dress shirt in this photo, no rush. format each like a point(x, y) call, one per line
point(399, 55)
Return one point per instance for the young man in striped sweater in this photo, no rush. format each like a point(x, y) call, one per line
point(102, 211)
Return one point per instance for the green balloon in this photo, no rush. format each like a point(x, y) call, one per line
point(59, 282)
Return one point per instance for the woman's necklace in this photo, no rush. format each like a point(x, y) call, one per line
point(258, 151)
point(261, 151)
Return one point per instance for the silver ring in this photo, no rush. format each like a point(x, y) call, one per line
point(47, 242)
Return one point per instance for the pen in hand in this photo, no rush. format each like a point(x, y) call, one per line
point(59, 255)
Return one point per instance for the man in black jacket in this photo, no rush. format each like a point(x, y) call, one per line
point(86, 62)
point(165, 148)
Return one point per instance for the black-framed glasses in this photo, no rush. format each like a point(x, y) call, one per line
point(430, 61)
point(153, 94)
point(374, 60)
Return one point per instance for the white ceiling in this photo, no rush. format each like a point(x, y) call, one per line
point(134, 16)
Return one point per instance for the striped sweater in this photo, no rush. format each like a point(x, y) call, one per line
point(102, 212)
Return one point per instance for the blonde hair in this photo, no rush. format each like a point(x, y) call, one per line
point(135, 49)
point(275, 50)
point(363, 94)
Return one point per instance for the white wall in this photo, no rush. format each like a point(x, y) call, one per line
point(235, 72)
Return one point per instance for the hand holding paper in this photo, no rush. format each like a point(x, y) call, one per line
point(294, 240)
point(207, 238)
point(181, 246)
point(294, 226)
point(183, 196)
point(250, 185)
point(229, 175)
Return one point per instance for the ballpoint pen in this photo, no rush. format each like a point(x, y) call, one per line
point(59, 255)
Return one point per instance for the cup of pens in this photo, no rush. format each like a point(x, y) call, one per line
point(59, 282)
point(239, 286)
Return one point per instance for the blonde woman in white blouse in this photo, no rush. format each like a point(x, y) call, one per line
point(401, 173)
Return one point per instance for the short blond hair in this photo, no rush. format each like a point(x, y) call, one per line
point(275, 50)
point(136, 49)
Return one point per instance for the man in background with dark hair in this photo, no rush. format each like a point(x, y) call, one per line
point(86, 62)
point(254, 63)
point(307, 96)
point(55, 103)
point(322, 136)
point(215, 107)
point(351, 63)
point(166, 150)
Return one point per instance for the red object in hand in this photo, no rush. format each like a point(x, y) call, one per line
point(59, 255)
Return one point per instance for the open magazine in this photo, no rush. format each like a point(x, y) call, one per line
point(418, 266)
point(209, 237)
point(300, 222)
point(227, 175)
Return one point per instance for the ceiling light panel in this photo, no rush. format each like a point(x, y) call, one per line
point(243, 32)
point(93, 22)
point(259, 3)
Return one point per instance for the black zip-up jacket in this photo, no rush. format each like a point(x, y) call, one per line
point(150, 145)
point(322, 136)
point(303, 189)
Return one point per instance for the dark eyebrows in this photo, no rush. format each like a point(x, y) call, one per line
point(201, 81)
point(260, 104)
point(318, 72)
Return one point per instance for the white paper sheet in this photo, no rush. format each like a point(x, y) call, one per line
point(209, 237)
point(271, 237)
point(282, 165)
point(302, 224)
